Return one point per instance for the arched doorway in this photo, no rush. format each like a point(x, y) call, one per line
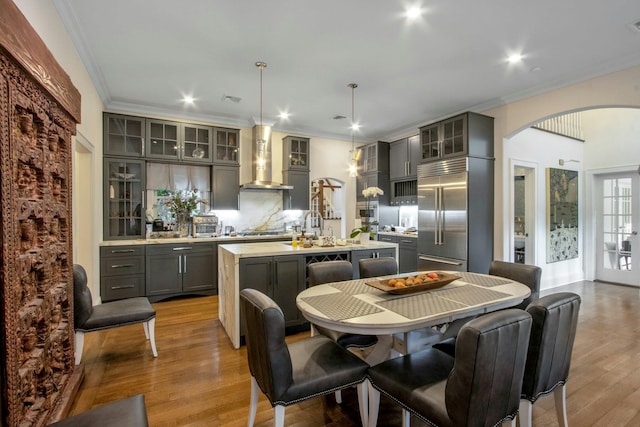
point(609, 147)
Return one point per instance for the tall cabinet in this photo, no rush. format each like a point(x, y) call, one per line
point(124, 207)
point(295, 163)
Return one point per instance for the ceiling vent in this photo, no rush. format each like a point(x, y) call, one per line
point(235, 99)
point(339, 117)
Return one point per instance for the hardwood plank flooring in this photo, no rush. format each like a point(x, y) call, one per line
point(198, 378)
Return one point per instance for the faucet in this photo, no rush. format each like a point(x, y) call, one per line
point(320, 221)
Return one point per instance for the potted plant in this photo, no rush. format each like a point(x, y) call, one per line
point(365, 232)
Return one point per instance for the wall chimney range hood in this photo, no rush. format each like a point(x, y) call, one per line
point(261, 162)
point(261, 156)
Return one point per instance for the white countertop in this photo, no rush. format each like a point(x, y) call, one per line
point(219, 239)
point(395, 233)
point(248, 250)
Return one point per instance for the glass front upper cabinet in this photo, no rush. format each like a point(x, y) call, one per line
point(226, 145)
point(295, 152)
point(124, 201)
point(124, 135)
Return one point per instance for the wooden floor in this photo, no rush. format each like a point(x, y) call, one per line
point(198, 378)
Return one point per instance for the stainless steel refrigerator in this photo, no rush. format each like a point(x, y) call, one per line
point(455, 214)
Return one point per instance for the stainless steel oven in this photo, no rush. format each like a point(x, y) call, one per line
point(205, 226)
point(367, 212)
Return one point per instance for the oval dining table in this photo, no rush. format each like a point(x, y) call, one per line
point(355, 307)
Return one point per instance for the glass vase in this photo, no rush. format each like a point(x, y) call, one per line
point(183, 225)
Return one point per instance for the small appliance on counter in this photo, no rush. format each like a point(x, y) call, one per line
point(157, 225)
point(205, 225)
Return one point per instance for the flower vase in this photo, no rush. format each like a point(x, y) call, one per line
point(183, 225)
point(364, 237)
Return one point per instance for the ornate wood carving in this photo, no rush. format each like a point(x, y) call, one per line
point(35, 207)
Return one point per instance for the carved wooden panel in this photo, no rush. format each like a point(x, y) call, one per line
point(35, 226)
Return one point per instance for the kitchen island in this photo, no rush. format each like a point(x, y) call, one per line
point(279, 270)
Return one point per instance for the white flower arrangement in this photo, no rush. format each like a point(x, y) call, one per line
point(372, 192)
point(368, 193)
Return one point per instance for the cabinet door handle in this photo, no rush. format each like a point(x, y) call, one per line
point(121, 265)
point(180, 265)
point(183, 248)
point(123, 287)
point(122, 251)
point(185, 263)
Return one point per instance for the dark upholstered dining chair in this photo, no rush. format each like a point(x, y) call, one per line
point(89, 318)
point(291, 373)
point(373, 267)
point(479, 387)
point(129, 412)
point(337, 271)
point(526, 274)
point(555, 320)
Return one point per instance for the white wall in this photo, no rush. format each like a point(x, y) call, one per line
point(545, 149)
point(613, 137)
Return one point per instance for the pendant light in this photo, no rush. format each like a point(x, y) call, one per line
point(261, 141)
point(354, 154)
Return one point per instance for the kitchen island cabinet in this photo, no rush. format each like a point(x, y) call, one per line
point(276, 277)
point(252, 265)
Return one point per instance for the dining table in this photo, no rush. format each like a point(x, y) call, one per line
point(358, 307)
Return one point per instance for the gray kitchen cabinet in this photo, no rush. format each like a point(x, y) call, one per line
point(123, 188)
point(282, 278)
point(226, 143)
point(407, 251)
point(407, 254)
point(178, 142)
point(163, 140)
point(467, 134)
point(404, 157)
point(225, 187)
point(122, 272)
point(196, 143)
point(183, 268)
point(295, 153)
point(374, 158)
point(298, 197)
point(123, 135)
point(357, 255)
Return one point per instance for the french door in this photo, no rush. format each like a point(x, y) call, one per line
point(618, 222)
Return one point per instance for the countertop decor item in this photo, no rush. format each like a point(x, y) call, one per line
point(183, 204)
point(368, 193)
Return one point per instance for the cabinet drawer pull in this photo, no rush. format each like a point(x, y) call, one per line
point(122, 251)
point(183, 248)
point(121, 265)
point(113, 288)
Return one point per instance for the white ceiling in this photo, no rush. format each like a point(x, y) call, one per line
point(143, 56)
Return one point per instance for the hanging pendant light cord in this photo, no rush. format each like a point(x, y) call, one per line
point(353, 87)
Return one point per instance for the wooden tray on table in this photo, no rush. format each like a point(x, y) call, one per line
point(391, 285)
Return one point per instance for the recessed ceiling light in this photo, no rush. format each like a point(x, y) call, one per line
point(413, 12)
point(188, 99)
point(515, 58)
point(355, 126)
point(284, 115)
